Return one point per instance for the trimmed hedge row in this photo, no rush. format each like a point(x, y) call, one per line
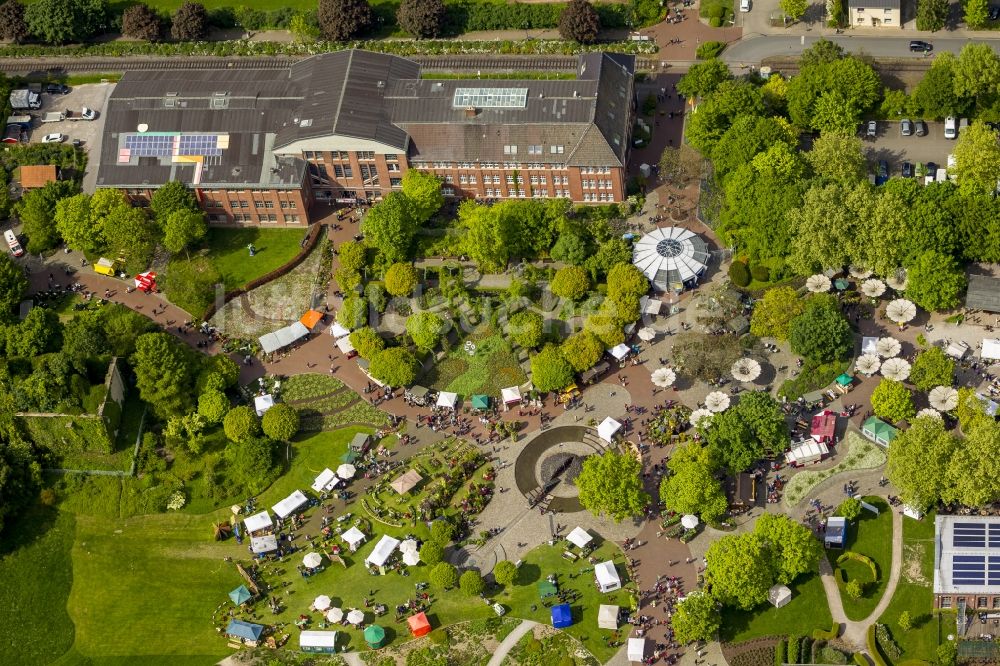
point(873, 649)
point(821, 635)
point(863, 559)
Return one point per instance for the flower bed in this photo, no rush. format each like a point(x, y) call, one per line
point(862, 454)
point(303, 387)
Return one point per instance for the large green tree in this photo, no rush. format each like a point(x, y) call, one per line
point(367, 341)
point(395, 367)
point(183, 228)
point(974, 470)
point(425, 329)
point(848, 88)
point(444, 576)
point(390, 226)
point(611, 484)
point(821, 333)
point(936, 93)
point(583, 350)
point(570, 282)
point(919, 461)
point(977, 13)
point(931, 368)
point(61, 21)
point(570, 248)
point(128, 234)
point(213, 405)
point(280, 422)
point(704, 78)
point(696, 618)
point(892, 401)
point(692, 486)
point(401, 279)
point(839, 159)
point(550, 371)
point(932, 14)
point(241, 423)
point(164, 373)
point(738, 570)
point(13, 286)
point(794, 549)
point(772, 315)
point(935, 281)
point(732, 441)
point(977, 160)
point(37, 208)
point(526, 328)
point(424, 193)
point(747, 137)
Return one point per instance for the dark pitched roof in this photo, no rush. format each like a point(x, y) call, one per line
point(874, 4)
point(983, 293)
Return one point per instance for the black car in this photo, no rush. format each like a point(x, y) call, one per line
point(883, 169)
point(920, 46)
point(57, 89)
point(932, 168)
point(920, 128)
point(907, 170)
point(994, 12)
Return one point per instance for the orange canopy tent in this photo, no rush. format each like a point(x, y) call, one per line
point(311, 318)
point(419, 626)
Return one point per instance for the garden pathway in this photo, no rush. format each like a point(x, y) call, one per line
point(510, 641)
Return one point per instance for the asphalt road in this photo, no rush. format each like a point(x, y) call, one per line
point(754, 48)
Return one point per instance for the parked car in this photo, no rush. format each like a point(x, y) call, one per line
point(872, 130)
point(932, 168)
point(920, 128)
point(920, 46)
point(57, 89)
point(905, 127)
point(744, 5)
point(950, 127)
point(883, 169)
point(54, 138)
point(77, 143)
point(13, 243)
point(907, 170)
point(994, 12)
point(88, 114)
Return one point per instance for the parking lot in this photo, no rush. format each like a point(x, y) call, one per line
point(894, 148)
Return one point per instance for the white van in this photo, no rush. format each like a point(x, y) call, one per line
point(15, 247)
point(950, 127)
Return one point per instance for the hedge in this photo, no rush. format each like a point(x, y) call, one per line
point(761, 273)
point(793, 649)
point(781, 653)
point(863, 559)
point(859, 659)
point(821, 635)
point(739, 274)
point(872, 645)
point(710, 50)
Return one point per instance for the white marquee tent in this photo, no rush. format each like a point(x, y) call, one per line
point(383, 550)
point(344, 345)
point(608, 428)
point(447, 399)
point(579, 537)
point(510, 395)
point(650, 306)
point(607, 617)
point(671, 257)
point(339, 331)
point(263, 544)
point(637, 649)
point(607, 577)
point(620, 351)
point(290, 504)
point(779, 595)
point(258, 521)
point(326, 481)
point(809, 451)
point(283, 337)
point(991, 349)
point(353, 538)
point(262, 403)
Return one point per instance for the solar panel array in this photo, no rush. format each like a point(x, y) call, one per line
point(199, 144)
point(166, 145)
point(490, 98)
point(975, 535)
point(975, 570)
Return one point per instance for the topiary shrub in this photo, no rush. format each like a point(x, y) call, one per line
point(739, 274)
point(793, 649)
point(710, 50)
point(761, 273)
point(715, 22)
point(716, 11)
point(821, 635)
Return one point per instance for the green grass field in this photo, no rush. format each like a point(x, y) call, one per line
point(227, 249)
point(806, 611)
point(493, 366)
point(872, 536)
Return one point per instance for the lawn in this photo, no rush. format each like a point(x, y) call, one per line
point(227, 249)
point(492, 367)
point(869, 535)
point(913, 594)
point(807, 611)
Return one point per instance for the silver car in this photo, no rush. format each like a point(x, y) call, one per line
point(905, 127)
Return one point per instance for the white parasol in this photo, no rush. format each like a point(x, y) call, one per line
point(236, 508)
point(873, 288)
point(745, 370)
point(355, 617)
point(943, 398)
point(896, 368)
point(335, 615)
point(887, 347)
point(664, 377)
point(901, 311)
point(867, 364)
point(322, 602)
point(859, 272)
point(717, 401)
point(646, 333)
point(408, 546)
point(411, 558)
point(689, 521)
point(346, 471)
point(818, 283)
point(930, 412)
point(898, 279)
point(700, 416)
point(312, 560)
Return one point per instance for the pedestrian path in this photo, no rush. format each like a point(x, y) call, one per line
point(512, 638)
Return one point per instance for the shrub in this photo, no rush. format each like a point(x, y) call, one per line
point(822, 635)
point(781, 653)
point(739, 274)
point(855, 590)
point(761, 273)
point(715, 22)
point(872, 645)
point(710, 50)
point(793, 649)
point(716, 11)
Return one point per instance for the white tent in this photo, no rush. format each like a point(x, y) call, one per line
point(383, 550)
point(326, 481)
point(607, 617)
point(650, 305)
point(620, 351)
point(262, 403)
point(510, 395)
point(868, 364)
point(873, 288)
point(943, 398)
point(263, 544)
point(818, 284)
point(637, 649)
point(290, 504)
point(888, 347)
point(447, 399)
point(957, 349)
point(339, 331)
point(335, 615)
point(321, 641)
point(991, 349)
point(808, 451)
point(699, 415)
point(896, 368)
point(717, 401)
point(579, 537)
point(663, 377)
point(608, 428)
point(411, 558)
point(344, 345)
point(408, 546)
point(607, 577)
point(690, 521)
point(356, 616)
point(901, 311)
point(312, 560)
point(646, 333)
point(868, 345)
point(346, 471)
point(353, 538)
point(322, 602)
point(283, 337)
point(779, 595)
point(671, 257)
point(258, 521)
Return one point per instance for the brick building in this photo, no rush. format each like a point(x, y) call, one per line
point(264, 146)
point(967, 563)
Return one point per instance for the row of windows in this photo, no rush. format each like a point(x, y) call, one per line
point(243, 203)
point(981, 602)
point(499, 193)
point(492, 165)
point(534, 150)
point(340, 155)
point(263, 218)
point(470, 179)
point(596, 184)
point(603, 196)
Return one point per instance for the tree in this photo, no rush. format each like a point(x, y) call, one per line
point(947, 654)
point(931, 368)
point(20, 471)
point(37, 212)
point(848, 86)
point(850, 508)
point(141, 22)
point(471, 583)
point(696, 618)
point(919, 462)
point(423, 19)
point(570, 248)
point(341, 20)
point(626, 285)
point(61, 21)
point(935, 93)
point(747, 137)
point(431, 552)
point(704, 357)
point(353, 312)
point(395, 367)
point(39, 333)
point(390, 226)
point(892, 401)
point(579, 22)
point(280, 422)
point(401, 279)
point(304, 27)
point(164, 374)
point(772, 315)
point(977, 13)
point(77, 226)
point(792, 548)
point(183, 228)
point(526, 328)
point(13, 286)
point(423, 190)
point(794, 8)
point(190, 283)
point(425, 329)
point(855, 590)
point(442, 531)
point(241, 423)
point(692, 486)
point(582, 350)
point(609, 254)
point(189, 22)
point(611, 484)
point(763, 415)
point(704, 78)
point(12, 25)
point(977, 160)
point(367, 342)
point(444, 576)
point(570, 282)
point(84, 339)
point(932, 14)
point(977, 68)
point(505, 572)
point(250, 464)
point(681, 165)
point(550, 371)
point(352, 256)
point(905, 622)
point(732, 442)
point(839, 159)
point(821, 333)
point(213, 405)
point(128, 234)
point(822, 52)
point(974, 469)
point(735, 572)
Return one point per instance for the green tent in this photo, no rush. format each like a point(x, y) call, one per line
point(841, 284)
point(845, 379)
point(374, 635)
point(547, 589)
point(240, 595)
point(480, 402)
point(349, 457)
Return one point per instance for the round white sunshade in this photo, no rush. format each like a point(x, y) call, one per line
point(671, 256)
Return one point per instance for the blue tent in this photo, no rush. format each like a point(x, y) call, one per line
point(561, 616)
point(240, 595)
point(247, 631)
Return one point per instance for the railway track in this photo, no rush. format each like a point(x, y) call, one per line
point(790, 65)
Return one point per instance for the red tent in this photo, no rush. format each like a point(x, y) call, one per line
point(146, 281)
point(419, 626)
point(824, 426)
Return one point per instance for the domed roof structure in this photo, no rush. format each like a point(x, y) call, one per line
point(671, 257)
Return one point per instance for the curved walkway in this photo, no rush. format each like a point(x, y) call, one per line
point(510, 641)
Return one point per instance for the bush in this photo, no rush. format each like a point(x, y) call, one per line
point(710, 50)
point(793, 649)
point(739, 274)
point(821, 635)
point(716, 11)
point(761, 273)
point(715, 22)
point(872, 645)
point(781, 653)
point(471, 583)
